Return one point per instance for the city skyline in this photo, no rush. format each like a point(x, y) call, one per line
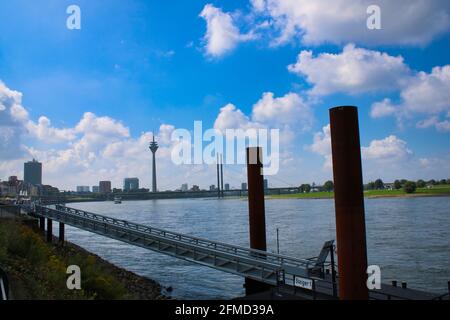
point(115, 85)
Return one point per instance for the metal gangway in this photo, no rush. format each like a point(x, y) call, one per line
point(254, 264)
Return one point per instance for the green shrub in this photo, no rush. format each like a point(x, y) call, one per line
point(103, 287)
point(43, 267)
point(409, 187)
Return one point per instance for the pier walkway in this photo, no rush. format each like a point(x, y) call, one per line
point(279, 271)
point(254, 264)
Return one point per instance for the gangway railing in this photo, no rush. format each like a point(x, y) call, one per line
point(255, 264)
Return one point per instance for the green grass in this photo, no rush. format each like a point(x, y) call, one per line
point(39, 268)
point(439, 190)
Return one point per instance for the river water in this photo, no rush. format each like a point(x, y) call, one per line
point(407, 237)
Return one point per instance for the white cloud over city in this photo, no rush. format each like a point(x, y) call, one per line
point(384, 157)
point(102, 148)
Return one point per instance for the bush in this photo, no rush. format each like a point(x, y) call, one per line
point(379, 184)
point(103, 287)
point(397, 185)
point(409, 187)
point(305, 188)
point(328, 186)
point(421, 184)
point(42, 267)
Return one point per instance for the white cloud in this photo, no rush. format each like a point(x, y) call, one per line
point(382, 109)
point(258, 5)
point(413, 22)
point(318, 22)
point(428, 92)
point(222, 35)
point(322, 145)
point(99, 156)
point(231, 117)
point(291, 114)
point(353, 71)
point(13, 116)
point(442, 126)
point(289, 110)
point(423, 94)
point(390, 148)
point(44, 131)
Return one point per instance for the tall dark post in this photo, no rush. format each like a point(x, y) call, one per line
point(221, 175)
point(153, 148)
point(61, 232)
point(49, 230)
point(257, 219)
point(218, 176)
point(349, 203)
point(42, 224)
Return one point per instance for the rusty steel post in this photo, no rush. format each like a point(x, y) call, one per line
point(349, 203)
point(61, 232)
point(49, 230)
point(257, 219)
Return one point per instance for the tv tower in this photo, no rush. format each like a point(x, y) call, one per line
point(153, 148)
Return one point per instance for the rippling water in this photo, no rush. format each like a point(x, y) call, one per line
point(407, 237)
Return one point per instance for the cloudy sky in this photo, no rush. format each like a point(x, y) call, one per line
point(85, 102)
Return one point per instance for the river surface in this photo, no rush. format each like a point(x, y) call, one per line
point(407, 237)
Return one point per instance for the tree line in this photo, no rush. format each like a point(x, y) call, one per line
point(407, 185)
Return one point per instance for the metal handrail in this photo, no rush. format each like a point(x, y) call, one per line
point(263, 256)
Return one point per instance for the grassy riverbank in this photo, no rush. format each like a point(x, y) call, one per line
point(439, 190)
point(37, 270)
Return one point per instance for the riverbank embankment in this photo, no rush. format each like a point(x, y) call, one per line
point(37, 270)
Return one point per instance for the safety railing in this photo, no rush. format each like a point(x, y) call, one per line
point(264, 257)
point(216, 245)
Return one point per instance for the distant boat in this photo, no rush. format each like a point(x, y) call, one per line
point(117, 200)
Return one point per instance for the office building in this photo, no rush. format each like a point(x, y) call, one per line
point(95, 189)
point(184, 187)
point(227, 186)
point(32, 172)
point(104, 186)
point(130, 184)
point(83, 189)
point(243, 186)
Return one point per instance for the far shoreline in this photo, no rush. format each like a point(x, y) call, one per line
point(436, 191)
point(301, 197)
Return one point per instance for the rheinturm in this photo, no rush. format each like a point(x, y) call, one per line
point(153, 148)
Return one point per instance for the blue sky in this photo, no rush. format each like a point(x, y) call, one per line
point(143, 64)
